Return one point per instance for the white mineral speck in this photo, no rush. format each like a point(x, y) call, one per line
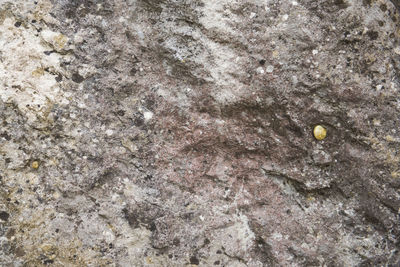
point(78, 39)
point(277, 236)
point(294, 80)
point(315, 51)
point(260, 70)
point(285, 17)
point(252, 15)
point(270, 68)
point(109, 132)
point(148, 115)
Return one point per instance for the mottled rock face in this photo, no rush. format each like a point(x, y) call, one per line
point(178, 133)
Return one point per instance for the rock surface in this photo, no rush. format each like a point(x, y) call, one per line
point(179, 133)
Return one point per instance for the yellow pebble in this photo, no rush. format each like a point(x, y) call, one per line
point(319, 132)
point(35, 164)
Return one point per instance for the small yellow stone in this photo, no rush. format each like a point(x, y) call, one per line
point(46, 247)
point(390, 138)
point(319, 132)
point(35, 164)
point(310, 198)
point(395, 174)
point(38, 72)
point(61, 40)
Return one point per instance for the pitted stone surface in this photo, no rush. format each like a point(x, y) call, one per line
point(180, 133)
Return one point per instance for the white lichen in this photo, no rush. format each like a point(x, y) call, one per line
point(27, 74)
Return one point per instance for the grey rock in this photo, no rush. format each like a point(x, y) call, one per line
point(178, 133)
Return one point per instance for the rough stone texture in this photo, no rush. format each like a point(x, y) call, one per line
point(179, 132)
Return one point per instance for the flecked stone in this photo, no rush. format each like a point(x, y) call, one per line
point(179, 133)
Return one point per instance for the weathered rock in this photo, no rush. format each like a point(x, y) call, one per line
point(170, 133)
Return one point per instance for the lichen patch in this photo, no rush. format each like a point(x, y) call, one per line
point(28, 71)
